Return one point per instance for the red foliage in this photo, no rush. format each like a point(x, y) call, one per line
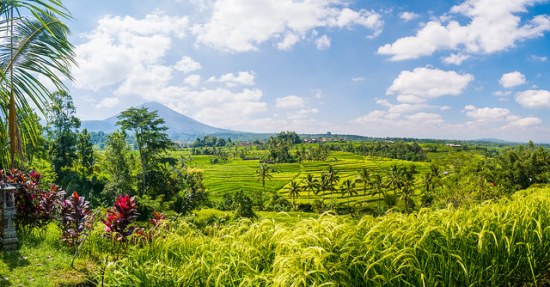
point(118, 221)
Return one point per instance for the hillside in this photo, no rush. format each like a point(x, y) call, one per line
point(180, 127)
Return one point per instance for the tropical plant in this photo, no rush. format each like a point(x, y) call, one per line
point(120, 218)
point(311, 184)
point(364, 178)
point(73, 219)
point(34, 46)
point(294, 191)
point(348, 189)
point(263, 173)
point(151, 139)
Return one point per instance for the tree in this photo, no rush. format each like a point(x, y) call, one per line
point(407, 190)
point(280, 145)
point(348, 188)
point(310, 184)
point(118, 166)
point(378, 187)
point(331, 178)
point(150, 135)
point(34, 46)
point(63, 125)
point(293, 191)
point(263, 173)
point(364, 178)
point(86, 151)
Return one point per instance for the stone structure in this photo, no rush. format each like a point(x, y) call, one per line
point(8, 212)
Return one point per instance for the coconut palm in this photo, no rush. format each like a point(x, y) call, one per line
point(293, 191)
point(310, 184)
point(34, 48)
point(378, 187)
point(364, 178)
point(263, 173)
point(348, 188)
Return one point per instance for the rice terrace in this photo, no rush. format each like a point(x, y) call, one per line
point(274, 143)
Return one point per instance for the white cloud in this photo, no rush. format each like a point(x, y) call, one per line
point(455, 59)
point(426, 118)
point(290, 102)
point(192, 80)
point(235, 79)
point(534, 99)
point(428, 83)
point(187, 65)
point(243, 25)
point(108, 103)
point(502, 93)
point(539, 58)
point(323, 42)
point(524, 122)
point(408, 16)
point(358, 79)
point(119, 46)
point(487, 114)
point(512, 79)
point(494, 26)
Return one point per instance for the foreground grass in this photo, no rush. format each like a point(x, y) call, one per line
point(42, 261)
point(495, 244)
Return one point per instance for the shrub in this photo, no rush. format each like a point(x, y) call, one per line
point(119, 219)
point(74, 216)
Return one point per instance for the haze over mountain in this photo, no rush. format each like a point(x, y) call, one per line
point(179, 126)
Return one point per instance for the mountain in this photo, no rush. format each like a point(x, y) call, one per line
point(180, 127)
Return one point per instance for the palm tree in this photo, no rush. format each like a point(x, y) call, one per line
point(310, 184)
point(378, 187)
point(294, 191)
point(364, 178)
point(407, 190)
point(348, 188)
point(263, 173)
point(331, 178)
point(33, 45)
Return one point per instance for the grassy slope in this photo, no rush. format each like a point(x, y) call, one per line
point(493, 244)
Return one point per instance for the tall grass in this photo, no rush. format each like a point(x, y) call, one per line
point(504, 243)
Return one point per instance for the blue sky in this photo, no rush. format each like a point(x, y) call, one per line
point(424, 69)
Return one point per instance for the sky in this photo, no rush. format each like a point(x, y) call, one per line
point(382, 68)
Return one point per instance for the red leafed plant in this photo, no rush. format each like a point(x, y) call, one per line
point(119, 219)
point(35, 206)
point(74, 216)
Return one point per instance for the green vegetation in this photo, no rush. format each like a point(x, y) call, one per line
point(284, 212)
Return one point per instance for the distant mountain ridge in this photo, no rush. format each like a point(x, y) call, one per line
point(179, 126)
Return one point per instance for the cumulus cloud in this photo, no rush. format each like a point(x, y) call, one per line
point(108, 103)
point(426, 83)
point(455, 59)
point(235, 79)
point(192, 80)
point(323, 42)
point(499, 117)
point(534, 99)
point(486, 114)
point(120, 47)
point(290, 102)
point(512, 79)
point(187, 65)
point(493, 26)
point(243, 25)
point(408, 16)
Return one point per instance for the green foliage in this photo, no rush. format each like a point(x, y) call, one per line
point(34, 46)
point(280, 146)
point(86, 151)
point(152, 143)
point(498, 244)
point(62, 129)
point(117, 166)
